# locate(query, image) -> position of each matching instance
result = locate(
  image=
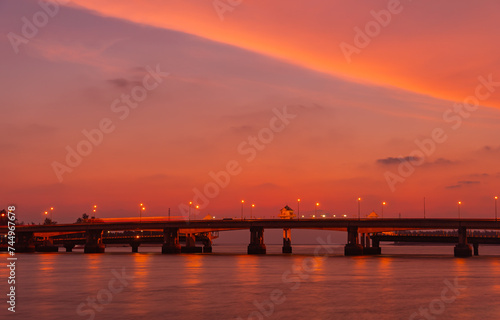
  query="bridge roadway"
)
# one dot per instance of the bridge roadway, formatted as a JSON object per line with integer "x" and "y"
{"x": 356, "y": 245}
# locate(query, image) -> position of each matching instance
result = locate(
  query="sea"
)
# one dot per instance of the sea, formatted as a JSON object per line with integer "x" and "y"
{"x": 315, "y": 282}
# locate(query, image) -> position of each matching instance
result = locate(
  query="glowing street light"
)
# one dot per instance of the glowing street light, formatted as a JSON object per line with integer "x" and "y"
{"x": 242, "y": 202}
{"x": 94, "y": 210}
{"x": 459, "y": 205}
{"x": 298, "y": 208}
{"x": 251, "y": 210}
{"x": 359, "y": 208}
{"x": 189, "y": 213}
{"x": 316, "y": 208}
{"x": 383, "y": 205}
{"x": 496, "y": 198}
{"x": 46, "y": 213}
{"x": 141, "y": 209}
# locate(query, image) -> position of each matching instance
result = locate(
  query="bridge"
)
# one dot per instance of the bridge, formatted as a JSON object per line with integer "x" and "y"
{"x": 361, "y": 233}
{"x": 423, "y": 237}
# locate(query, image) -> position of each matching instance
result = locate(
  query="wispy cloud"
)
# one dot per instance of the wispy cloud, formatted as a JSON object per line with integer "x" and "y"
{"x": 462, "y": 183}
{"x": 398, "y": 160}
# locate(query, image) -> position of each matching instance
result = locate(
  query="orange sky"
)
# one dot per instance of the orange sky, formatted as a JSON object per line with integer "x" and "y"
{"x": 351, "y": 124}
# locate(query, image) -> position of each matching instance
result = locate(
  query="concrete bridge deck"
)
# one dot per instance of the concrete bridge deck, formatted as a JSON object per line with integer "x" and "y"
{"x": 356, "y": 244}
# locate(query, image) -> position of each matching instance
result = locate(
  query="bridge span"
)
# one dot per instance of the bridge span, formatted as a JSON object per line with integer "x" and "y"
{"x": 361, "y": 233}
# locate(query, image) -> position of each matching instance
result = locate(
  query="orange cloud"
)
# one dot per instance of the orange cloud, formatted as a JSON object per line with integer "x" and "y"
{"x": 418, "y": 49}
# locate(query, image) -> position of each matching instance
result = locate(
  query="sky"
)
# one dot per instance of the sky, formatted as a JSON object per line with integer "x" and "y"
{"x": 116, "y": 103}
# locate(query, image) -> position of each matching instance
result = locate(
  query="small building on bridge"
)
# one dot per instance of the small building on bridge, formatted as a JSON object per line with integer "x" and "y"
{"x": 286, "y": 213}
{"x": 373, "y": 215}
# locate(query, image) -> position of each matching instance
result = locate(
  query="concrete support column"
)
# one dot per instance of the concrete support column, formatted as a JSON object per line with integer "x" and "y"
{"x": 476, "y": 248}
{"x": 371, "y": 249}
{"x": 69, "y": 247}
{"x": 207, "y": 243}
{"x": 190, "y": 246}
{"x": 462, "y": 249}
{"x": 135, "y": 245}
{"x": 25, "y": 242}
{"x": 171, "y": 241}
{"x": 363, "y": 236}
{"x": 287, "y": 241}
{"x": 256, "y": 245}
{"x": 353, "y": 248}
{"x": 46, "y": 246}
{"x": 94, "y": 242}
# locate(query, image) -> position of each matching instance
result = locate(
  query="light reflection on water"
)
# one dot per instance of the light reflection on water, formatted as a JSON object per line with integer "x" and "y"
{"x": 227, "y": 286}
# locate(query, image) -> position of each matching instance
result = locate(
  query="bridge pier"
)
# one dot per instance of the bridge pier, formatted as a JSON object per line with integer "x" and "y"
{"x": 135, "y": 245}
{"x": 371, "y": 249}
{"x": 353, "y": 248}
{"x": 207, "y": 243}
{"x": 25, "y": 242}
{"x": 256, "y": 245}
{"x": 462, "y": 249}
{"x": 375, "y": 248}
{"x": 69, "y": 247}
{"x": 94, "y": 242}
{"x": 287, "y": 241}
{"x": 46, "y": 246}
{"x": 171, "y": 241}
{"x": 190, "y": 246}
{"x": 476, "y": 248}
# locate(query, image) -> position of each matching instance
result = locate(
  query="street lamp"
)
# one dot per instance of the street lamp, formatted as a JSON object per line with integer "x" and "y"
{"x": 197, "y": 207}
{"x": 189, "y": 213}
{"x": 496, "y": 198}
{"x": 298, "y": 208}
{"x": 359, "y": 208}
{"x": 459, "y": 205}
{"x": 253, "y": 206}
{"x": 316, "y": 208}
{"x": 242, "y": 202}
{"x": 94, "y": 210}
{"x": 141, "y": 209}
{"x": 51, "y": 212}
{"x": 383, "y": 205}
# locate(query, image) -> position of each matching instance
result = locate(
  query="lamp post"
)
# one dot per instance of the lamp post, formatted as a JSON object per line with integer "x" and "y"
{"x": 197, "y": 207}
{"x": 359, "y": 208}
{"x": 189, "y": 213}
{"x": 94, "y": 210}
{"x": 459, "y": 205}
{"x": 298, "y": 209}
{"x": 141, "y": 209}
{"x": 383, "y": 205}
{"x": 316, "y": 208}
{"x": 251, "y": 210}
{"x": 496, "y": 198}
{"x": 242, "y": 202}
